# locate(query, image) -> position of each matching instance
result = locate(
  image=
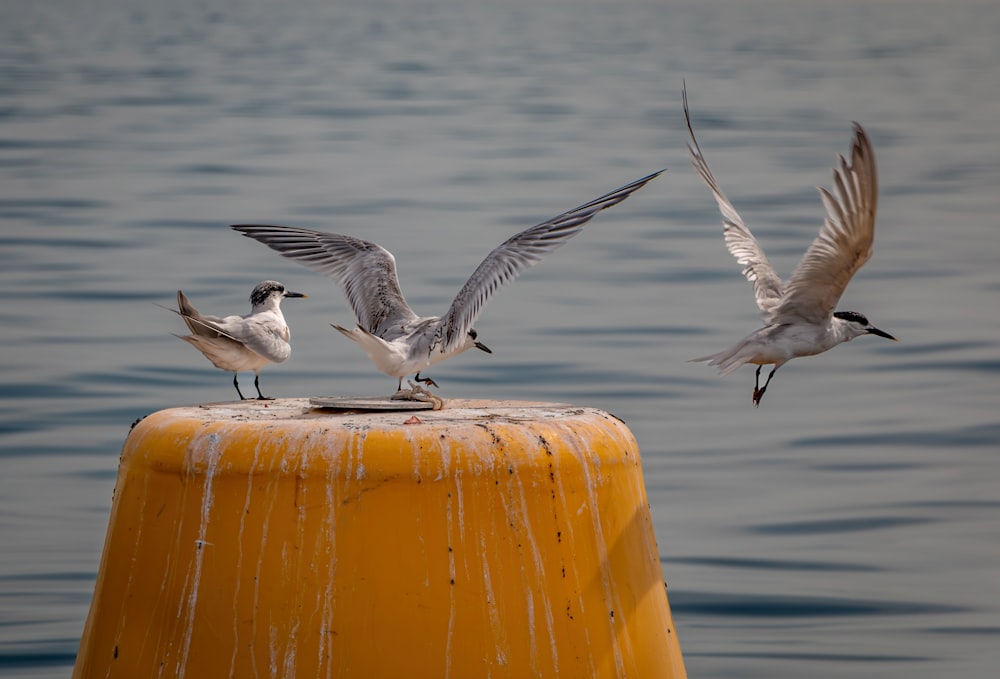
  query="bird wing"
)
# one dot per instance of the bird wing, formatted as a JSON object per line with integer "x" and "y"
{"x": 516, "y": 254}
{"x": 767, "y": 285}
{"x": 200, "y": 325}
{"x": 365, "y": 271}
{"x": 844, "y": 243}
{"x": 262, "y": 333}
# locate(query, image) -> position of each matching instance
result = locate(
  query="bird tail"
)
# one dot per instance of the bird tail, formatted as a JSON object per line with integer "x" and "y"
{"x": 217, "y": 350}
{"x": 367, "y": 340}
{"x": 349, "y": 334}
{"x": 726, "y": 361}
{"x": 380, "y": 352}
{"x": 196, "y": 323}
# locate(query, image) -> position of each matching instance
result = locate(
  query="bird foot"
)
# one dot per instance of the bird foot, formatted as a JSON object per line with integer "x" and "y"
{"x": 426, "y": 380}
{"x": 758, "y": 394}
{"x": 418, "y": 393}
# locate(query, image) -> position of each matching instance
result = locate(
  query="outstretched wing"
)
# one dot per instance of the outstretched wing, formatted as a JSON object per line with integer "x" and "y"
{"x": 519, "y": 252}
{"x": 366, "y": 272}
{"x": 844, "y": 243}
{"x": 767, "y": 285}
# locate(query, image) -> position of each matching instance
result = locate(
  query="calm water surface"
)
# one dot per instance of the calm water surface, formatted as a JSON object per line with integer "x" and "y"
{"x": 850, "y": 527}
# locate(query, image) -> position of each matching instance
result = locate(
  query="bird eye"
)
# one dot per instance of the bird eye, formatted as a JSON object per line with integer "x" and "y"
{"x": 473, "y": 334}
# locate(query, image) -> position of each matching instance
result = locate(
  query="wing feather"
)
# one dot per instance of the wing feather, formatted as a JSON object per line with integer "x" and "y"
{"x": 201, "y": 325}
{"x": 768, "y": 287}
{"x": 366, "y": 272}
{"x": 519, "y": 252}
{"x": 844, "y": 243}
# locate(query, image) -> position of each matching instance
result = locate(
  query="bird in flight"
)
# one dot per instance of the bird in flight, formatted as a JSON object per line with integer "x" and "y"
{"x": 799, "y": 315}
{"x": 242, "y": 343}
{"x": 396, "y": 339}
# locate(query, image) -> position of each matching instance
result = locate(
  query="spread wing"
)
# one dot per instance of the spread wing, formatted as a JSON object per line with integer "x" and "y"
{"x": 844, "y": 243}
{"x": 767, "y": 285}
{"x": 366, "y": 272}
{"x": 519, "y": 252}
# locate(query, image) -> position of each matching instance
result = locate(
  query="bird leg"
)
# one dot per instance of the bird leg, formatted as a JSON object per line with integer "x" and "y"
{"x": 237, "y": 385}
{"x": 425, "y": 380}
{"x": 418, "y": 393}
{"x": 260, "y": 396}
{"x": 758, "y": 392}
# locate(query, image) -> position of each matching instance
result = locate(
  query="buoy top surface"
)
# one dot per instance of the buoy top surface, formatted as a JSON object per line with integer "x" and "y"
{"x": 295, "y": 433}
{"x": 468, "y": 411}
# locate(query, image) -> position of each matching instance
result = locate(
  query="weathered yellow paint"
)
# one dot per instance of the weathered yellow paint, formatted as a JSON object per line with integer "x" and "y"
{"x": 269, "y": 539}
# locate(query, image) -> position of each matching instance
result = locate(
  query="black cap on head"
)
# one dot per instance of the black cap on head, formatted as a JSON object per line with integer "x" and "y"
{"x": 852, "y": 316}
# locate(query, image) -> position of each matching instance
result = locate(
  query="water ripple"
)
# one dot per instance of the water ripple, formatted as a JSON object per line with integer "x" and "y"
{"x": 845, "y": 525}
{"x": 769, "y": 564}
{"x": 811, "y": 659}
{"x": 971, "y": 436}
{"x": 729, "y": 605}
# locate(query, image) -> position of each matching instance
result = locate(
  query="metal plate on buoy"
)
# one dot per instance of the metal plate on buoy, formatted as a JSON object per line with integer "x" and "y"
{"x": 367, "y": 403}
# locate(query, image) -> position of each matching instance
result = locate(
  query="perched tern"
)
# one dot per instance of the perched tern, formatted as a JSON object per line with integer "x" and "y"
{"x": 240, "y": 343}
{"x": 396, "y": 339}
{"x": 799, "y": 315}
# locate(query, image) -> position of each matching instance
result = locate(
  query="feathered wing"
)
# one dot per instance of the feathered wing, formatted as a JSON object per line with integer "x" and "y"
{"x": 199, "y": 324}
{"x": 365, "y": 271}
{"x": 844, "y": 243}
{"x": 262, "y": 334}
{"x": 767, "y": 285}
{"x": 516, "y": 254}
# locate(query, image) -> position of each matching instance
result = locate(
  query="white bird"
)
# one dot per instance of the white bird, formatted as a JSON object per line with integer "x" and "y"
{"x": 242, "y": 343}
{"x": 799, "y": 315}
{"x": 396, "y": 339}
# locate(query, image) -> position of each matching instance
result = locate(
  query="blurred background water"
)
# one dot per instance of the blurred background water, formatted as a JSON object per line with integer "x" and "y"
{"x": 849, "y": 527}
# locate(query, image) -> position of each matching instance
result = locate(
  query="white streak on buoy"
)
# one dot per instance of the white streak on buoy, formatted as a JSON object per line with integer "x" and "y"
{"x": 212, "y": 464}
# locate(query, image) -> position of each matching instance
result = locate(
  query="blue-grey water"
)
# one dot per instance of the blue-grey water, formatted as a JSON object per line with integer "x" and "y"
{"x": 849, "y": 527}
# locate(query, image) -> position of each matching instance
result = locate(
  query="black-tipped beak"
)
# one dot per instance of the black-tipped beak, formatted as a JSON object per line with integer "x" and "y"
{"x": 881, "y": 333}
{"x": 289, "y": 293}
{"x": 483, "y": 347}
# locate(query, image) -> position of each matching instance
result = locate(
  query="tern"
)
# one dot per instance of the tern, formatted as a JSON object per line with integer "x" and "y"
{"x": 799, "y": 315}
{"x": 242, "y": 343}
{"x": 396, "y": 339}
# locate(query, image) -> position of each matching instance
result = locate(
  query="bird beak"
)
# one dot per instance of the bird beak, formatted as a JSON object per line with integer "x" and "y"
{"x": 483, "y": 347}
{"x": 289, "y": 293}
{"x": 880, "y": 333}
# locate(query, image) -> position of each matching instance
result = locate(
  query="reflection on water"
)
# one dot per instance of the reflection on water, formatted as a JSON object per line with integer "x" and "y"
{"x": 848, "y": 526}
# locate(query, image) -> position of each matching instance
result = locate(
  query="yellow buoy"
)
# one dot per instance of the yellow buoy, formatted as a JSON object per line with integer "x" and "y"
{"x": 273, "y": 539}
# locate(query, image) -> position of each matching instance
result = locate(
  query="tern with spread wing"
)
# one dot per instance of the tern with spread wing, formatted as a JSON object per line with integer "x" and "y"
{"x": 242, "y": 343}
{"x": 396, "y": 339}
{"x": 799, "y": 316}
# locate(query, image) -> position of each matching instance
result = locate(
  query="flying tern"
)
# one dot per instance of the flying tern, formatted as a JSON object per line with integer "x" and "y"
{"x": 799, "y": 314}
{"x": 242, "y": 343}
{"x": 396, "y": 339}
